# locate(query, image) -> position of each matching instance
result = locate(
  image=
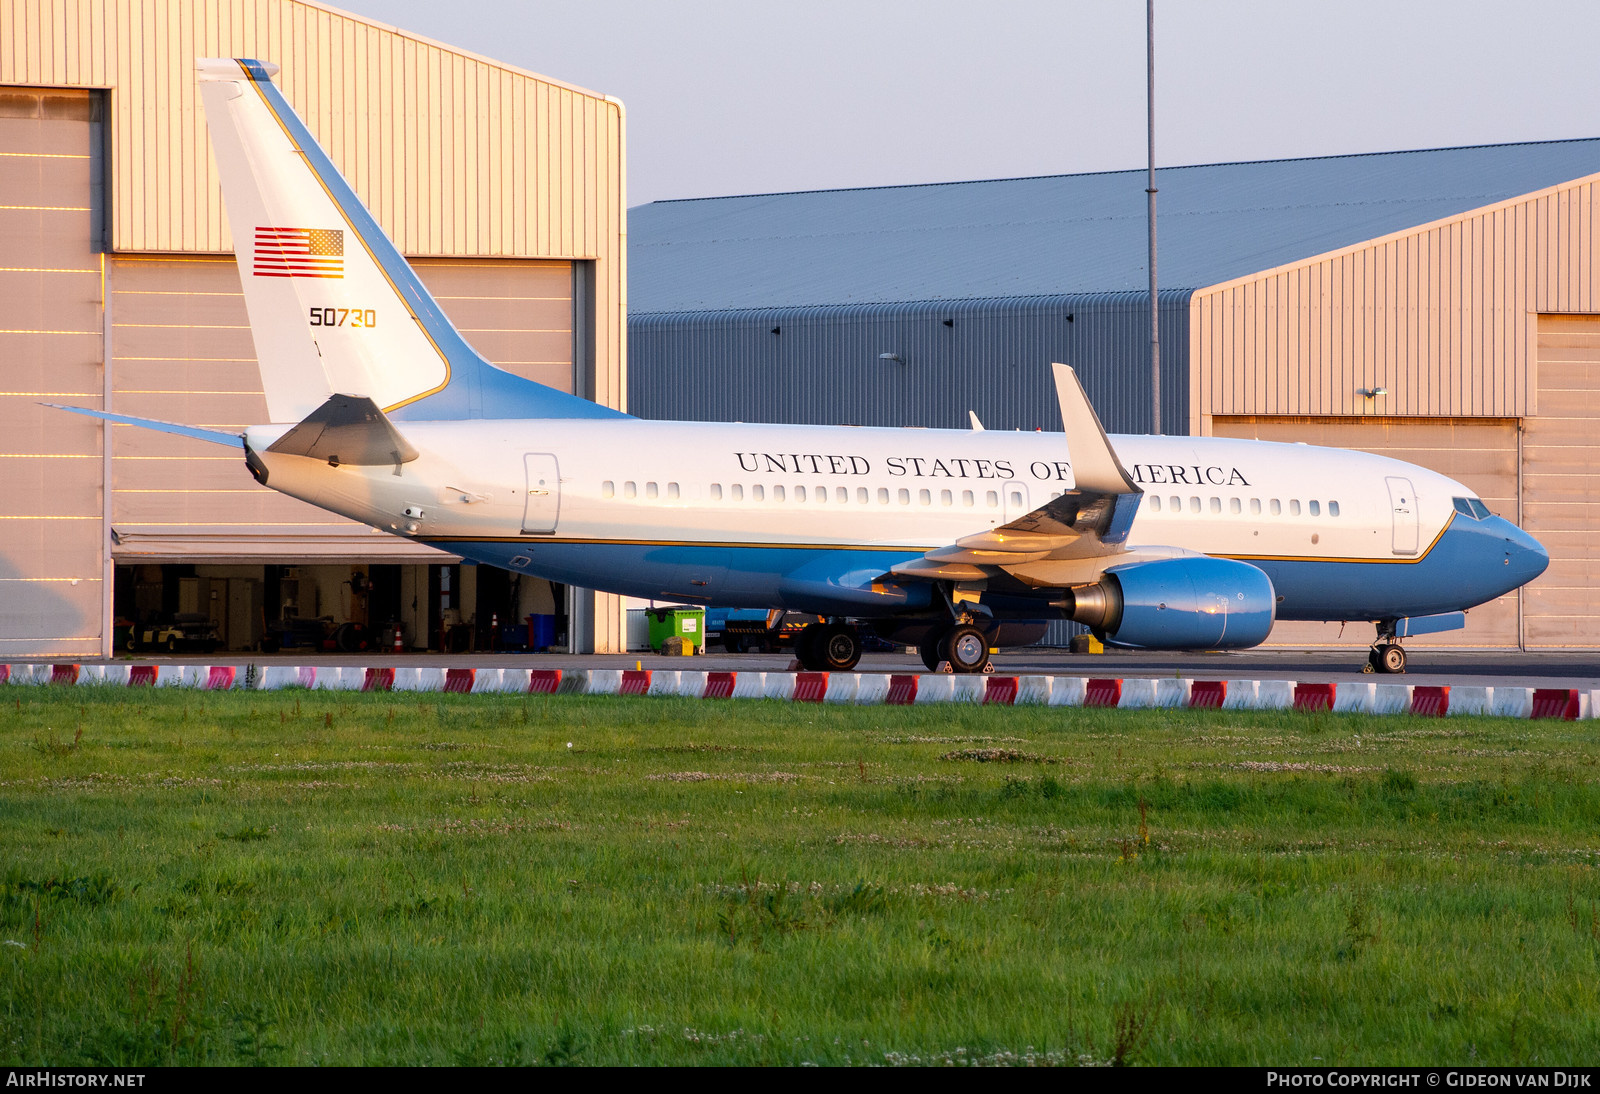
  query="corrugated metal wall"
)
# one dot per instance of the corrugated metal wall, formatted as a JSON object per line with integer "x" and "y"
{"x": 52, "y": 468}
{"x": 456, "y": 155}
{"x": 1561, "y": 483}
{"x": 1441, "y": 316}
{"x": 823, "y": 365}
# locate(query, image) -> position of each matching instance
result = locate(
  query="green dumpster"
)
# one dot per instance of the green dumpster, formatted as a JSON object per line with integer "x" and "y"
{"x": 688, "y": 624}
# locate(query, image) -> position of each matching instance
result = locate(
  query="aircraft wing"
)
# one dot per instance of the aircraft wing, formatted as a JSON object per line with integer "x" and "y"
{"x": 1089, "y": 521}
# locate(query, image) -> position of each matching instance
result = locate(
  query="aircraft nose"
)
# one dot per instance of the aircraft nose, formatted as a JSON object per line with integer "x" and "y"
{"x": 1525, "y": 557}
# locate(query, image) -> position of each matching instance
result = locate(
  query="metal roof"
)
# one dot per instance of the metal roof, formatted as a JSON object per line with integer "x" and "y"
{"x": 1060, "y": 233}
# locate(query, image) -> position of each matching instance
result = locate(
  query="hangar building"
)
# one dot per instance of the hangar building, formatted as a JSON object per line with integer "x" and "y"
{"x": 118, "y": 290}
{"x": 1440, "y": 306}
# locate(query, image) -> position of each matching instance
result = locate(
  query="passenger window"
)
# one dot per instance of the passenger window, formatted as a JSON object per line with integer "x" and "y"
{"x": 1234, "y": 506}
{"x": 966, "y": 498}
{"x": 924, "y": 497}
{"x": 1175, "y": 503}
{"x": 945, "y": 497}
{"x": 1277, "y": 507}
{"x": 1194, "y": 505}
{"x": 651, "y": 490}
{"x": 799, "y": 493}
{"x": 758, "y": 492}
{"x": 861, "y": 495}
{"x": 1333, "y": 508}
{"x": 1255, "y": 506}
{"x": 777, "y": 493}
{"x": 821, "y": 495}
{"x": 992, "y": 499}
{"x": 904, "y": 496}
{"x": 1016, "y": 498}
{"x": 841, "y": 495}
{"x": 672, "y": 491}
{"x": 716, "y": 491}
{"x": 883, "y": 496}
{"x": 1216, "y": 505}
{"x": 629, "y": 490}
{"x": 1315, "y": 507}
{"x": 608, "y": 489}
{"x": 738, "y": 491}
{"x": 1294, "y": 507}
{"x": 1155, "y": 503}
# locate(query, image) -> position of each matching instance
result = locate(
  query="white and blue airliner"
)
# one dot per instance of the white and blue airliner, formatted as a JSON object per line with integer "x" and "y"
{"x": 956, "y": 540}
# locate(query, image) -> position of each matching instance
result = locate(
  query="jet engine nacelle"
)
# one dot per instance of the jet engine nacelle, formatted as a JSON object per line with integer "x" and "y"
{"x": 1178, "y": 604}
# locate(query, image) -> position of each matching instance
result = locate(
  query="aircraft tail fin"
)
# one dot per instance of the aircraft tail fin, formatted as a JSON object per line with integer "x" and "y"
{"x": 334, "y": 307}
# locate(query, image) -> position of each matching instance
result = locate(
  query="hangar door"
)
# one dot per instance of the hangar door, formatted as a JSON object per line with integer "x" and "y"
{"x": 1561, "y": 483}
{"x": 182, "y": 351}
{"x": 52, "y": 535}
{"x": 1480, "y": 452}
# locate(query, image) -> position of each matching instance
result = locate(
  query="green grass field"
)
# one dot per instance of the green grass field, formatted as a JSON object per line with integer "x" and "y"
{"x": 338, "y": 878}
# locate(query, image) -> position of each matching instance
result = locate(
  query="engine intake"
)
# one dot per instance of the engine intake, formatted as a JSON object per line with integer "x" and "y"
{"x": 1178, "y": 604}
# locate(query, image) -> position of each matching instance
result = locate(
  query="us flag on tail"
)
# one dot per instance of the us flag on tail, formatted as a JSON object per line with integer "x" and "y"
{"x": 299, "y": 252}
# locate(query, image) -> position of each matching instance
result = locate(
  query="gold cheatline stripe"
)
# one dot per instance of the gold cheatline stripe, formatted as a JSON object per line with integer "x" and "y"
{"x": 48, "y": 208}
{"x": 43, "y": 269}
{"x": 1398, "y": 559}
{"x": 535, "y": 540}
{"x": 46, "y": 155}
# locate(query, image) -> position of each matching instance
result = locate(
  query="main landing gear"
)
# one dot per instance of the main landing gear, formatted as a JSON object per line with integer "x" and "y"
{"x": 1386, "y": 656}
{"x": 828, "y": 647}
{"x": 964, "y": 646}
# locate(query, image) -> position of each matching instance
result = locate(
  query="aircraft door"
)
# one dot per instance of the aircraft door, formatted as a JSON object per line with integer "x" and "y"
{"x": 1403, "y": 502}
{"x": 543, "y": 498}
{"x": 1015, "y": 495}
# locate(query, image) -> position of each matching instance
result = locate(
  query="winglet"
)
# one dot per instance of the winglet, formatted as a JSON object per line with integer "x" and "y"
{"x": 1095, "y": 466}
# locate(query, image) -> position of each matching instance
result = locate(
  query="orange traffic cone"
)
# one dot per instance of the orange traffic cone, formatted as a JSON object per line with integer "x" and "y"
{"x": 399, "y": 644}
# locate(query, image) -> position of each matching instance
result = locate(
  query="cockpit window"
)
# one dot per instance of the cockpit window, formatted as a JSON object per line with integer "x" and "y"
{"x": 1471, "y": 507}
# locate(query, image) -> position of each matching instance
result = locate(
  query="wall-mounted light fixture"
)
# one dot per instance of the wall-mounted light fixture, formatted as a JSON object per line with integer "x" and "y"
{"x": 1373, "y": 393}
{"x": 891, "y": 357}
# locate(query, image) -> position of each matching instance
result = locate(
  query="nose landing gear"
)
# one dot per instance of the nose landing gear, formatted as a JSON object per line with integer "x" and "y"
{"x": 1386, "y": 656}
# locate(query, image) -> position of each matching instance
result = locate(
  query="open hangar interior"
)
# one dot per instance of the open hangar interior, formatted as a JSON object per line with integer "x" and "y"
{"x": 119, "y": 291}
{"x": 1440, "y": 306}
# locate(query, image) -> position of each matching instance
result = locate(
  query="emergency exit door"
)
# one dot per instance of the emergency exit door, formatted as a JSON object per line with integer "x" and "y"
{"x": 543, "y": 498}
{"x": 1403, "y": 502}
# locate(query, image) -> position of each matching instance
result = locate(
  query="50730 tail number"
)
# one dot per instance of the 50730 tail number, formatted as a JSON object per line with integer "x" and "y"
{"x": 344, "y": 317}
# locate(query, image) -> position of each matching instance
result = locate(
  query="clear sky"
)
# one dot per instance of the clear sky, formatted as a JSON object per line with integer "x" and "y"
{"x": 748, "y": 97}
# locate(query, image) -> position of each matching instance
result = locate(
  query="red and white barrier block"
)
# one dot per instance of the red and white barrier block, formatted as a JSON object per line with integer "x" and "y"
{"x": 901, "y": 689}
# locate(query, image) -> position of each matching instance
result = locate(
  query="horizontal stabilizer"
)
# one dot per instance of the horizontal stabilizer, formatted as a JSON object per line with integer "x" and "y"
{"x": 215, "y": 436}
{"x": 346, "y": 429}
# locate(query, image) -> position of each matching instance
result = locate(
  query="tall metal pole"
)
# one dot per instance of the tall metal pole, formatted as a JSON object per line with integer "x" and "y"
{"x": 1150, "y": 191}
